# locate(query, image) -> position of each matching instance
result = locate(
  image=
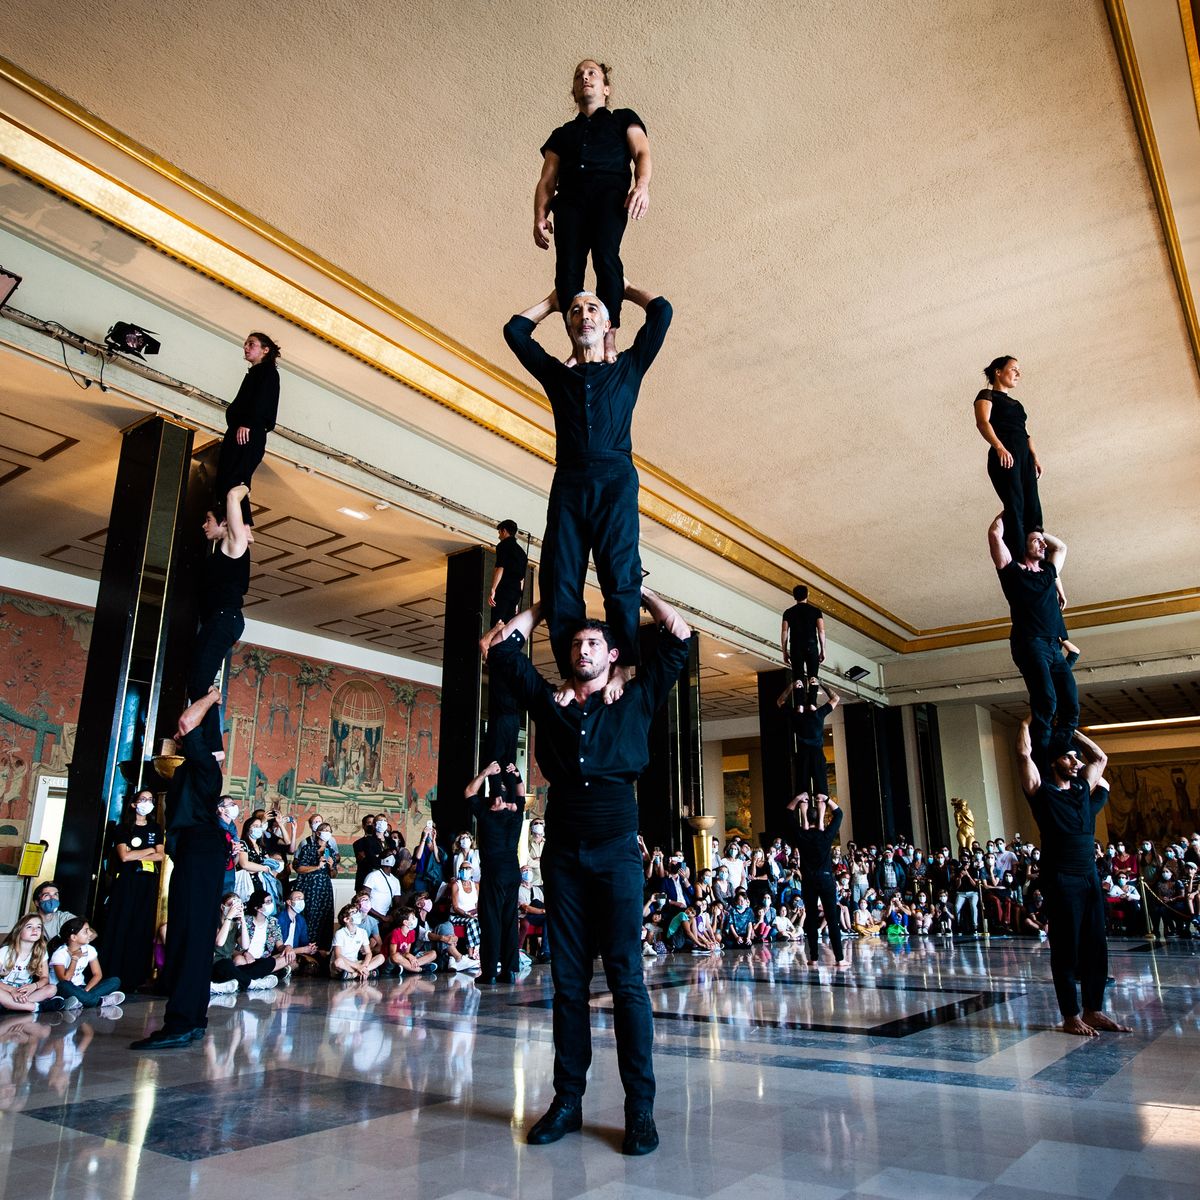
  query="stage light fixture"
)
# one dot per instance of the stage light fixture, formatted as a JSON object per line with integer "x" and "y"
{"x": 127, "y": 338}
{"x": 9, "y": 282}
{"x": 855, "y": 674}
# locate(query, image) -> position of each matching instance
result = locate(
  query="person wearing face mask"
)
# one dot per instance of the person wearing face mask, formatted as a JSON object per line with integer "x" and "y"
{"x": 128, "y": 938}
{"x": 228, "y": 812}
{"x": 967, "y": 896}
{"x": 464, "y": 909}
{"x": 316, "y": 865}
{"x": 351, "y": 958}
{"x": 499, "y": 816}
{"x": 256, "y": 873}
{"x": 465, "y": 855}
{"x": 1149, "y": 863}
{"x": 371, "y": 847}
{"x": 75, "y": 967}
{"x": 49, "y": 906}
{"x": 293, "y": 930}
{"x": 943, "y": 914}
{"x": 722, "y": 888}
{"x": 383, "y": 886}
{"x": 531, "y": 907}
{"x": 245, "y": 957}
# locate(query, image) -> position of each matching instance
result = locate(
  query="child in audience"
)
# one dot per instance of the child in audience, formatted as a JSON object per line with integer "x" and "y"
{"x": 25, "y": 984}
{"x": 78, "y": 973}
{"x": 351, "y": 957}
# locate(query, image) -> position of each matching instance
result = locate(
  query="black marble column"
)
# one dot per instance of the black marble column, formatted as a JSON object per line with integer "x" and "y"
{"x": 145, "y": 621}
{"x": 878, "y": 778}
{"x": 775, "y": 749}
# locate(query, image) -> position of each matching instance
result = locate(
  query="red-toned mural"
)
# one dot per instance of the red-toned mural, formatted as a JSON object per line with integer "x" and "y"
{"x": 302, "y": 734}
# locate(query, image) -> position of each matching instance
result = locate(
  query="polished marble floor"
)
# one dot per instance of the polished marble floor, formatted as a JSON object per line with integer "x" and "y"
{"x": 929, "y": 1072}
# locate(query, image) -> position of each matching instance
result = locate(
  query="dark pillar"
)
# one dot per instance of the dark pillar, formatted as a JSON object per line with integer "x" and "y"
{"x": 465, "y": 686}
{"x": 933, "y": 783}
{"x": 775, "y": 747}
{"x": 672, "y": 787}
{"x": 876, "y": 764}
{"x": 145, "y": 617}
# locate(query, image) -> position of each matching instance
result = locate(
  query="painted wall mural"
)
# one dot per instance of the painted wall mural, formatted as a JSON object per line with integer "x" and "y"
{"x": 301, "y": 734}
{"x": 1153, "y": 800}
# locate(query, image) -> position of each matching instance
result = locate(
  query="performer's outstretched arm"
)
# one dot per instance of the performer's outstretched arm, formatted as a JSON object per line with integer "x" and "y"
{"x": 664, "y": 614}
{"x": 1031, "y": 777}
{"x": 1001, "y": 555}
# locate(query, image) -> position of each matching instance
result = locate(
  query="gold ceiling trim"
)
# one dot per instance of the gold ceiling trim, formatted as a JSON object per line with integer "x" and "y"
{"x": 1118, "y": 21}
{"x": 31, "y": 154}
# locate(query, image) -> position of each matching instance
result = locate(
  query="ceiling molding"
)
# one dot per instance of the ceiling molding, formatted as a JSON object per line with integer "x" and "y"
{"x": 32, "y": 154}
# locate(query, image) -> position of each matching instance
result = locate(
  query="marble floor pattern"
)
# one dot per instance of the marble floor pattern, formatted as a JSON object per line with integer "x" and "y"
{"x": 924, "y": 1072}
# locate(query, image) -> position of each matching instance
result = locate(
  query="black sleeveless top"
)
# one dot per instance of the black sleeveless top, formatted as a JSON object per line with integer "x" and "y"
{"x": 225, "y": 581}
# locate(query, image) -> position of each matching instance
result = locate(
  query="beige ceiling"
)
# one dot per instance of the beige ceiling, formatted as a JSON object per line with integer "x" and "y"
{"x": 854, "y": 207}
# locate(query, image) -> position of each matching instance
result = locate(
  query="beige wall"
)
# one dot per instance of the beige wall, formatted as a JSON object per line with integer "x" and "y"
{"x": 979, "y": 763}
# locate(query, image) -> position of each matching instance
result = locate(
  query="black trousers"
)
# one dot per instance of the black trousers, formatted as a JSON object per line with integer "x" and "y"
{"x": 237, "y": 464}
{"x": 225, "y": 969}
{"x": 594, "y": 901}
{"x": 593, "y": 511}
{"x": 505, "y": 608}
{"x": 216, "y": 636}
{"x": 193, "y": 908}
{"x": 499, "y": 883}
{"x": 1053, "y": 697}
{"x": 812, "y": 774}
{"x": 592, "y": 223}
{"x": 805, "y": 662}
{"x": 1078, "y": 941}
{"x": 1017, "y": 488}
{"x": 821, "y": 887}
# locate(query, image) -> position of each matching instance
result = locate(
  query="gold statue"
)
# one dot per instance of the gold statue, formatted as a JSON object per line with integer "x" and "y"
{"x": 964, "y": 818}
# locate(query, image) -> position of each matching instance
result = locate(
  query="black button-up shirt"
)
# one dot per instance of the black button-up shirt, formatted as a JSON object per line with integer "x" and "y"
{"x": 593, "y": 149}
{"x": 256, "y": 404}
{"x": 592, "y": 402}
{"x": 592, "y": 754}
{"x": 1066, "y": 819}
{"x": 513, "y": 561}
{"x": 497, "y": 833}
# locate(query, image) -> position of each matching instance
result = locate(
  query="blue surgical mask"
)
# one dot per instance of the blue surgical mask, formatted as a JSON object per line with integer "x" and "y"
{"x": 48, "y": 906}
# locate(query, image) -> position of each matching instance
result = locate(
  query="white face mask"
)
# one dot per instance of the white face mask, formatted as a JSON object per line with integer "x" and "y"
{"x": 298, "y": 906}
{"x": 145, "y": 807}
{"x": 464, "y": 843}
{"x": 256, "y": 831}
{"x": 231, "y": 813}
{"x": 356, "y": 918}
{"x": 326, "y": 836}
{"x": 381, "y": 827}
{"x": 268, "y": 910}
{"x": 388, "y": 860}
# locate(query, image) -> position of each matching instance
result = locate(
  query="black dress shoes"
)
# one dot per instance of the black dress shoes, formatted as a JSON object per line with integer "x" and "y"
{"x": 641, "y": 1137}
{"x": 162, "y": 1040}
{"x": 484, "y": 981}
{"x": 565, "y": 1115}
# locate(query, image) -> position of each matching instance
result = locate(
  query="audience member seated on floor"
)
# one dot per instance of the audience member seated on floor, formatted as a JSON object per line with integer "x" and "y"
{"x": 921, "y": 915}
{"x": 464, "y": 908}
{"x": 943, "y": 915}
{"x": 896, "y": 921}
{"x": 77, "y": 971}
{"x": 242, "y": 957}
{"x": 54, "y": 916}
{"x": 865, "y": 924}
{"x": 293, "y": 929}
{"x": 703, "y": 889}
{"x": 402, "y": 946}
{"x": 1033, "y": 915}
{"x": 681, "y": 933}
{"x": 351, "y": 957}
{"x": 25, "y": 983}
{"x": 786, "y": 930}
{"x": 366, "y": 920}
{"x": 739, "y": 922}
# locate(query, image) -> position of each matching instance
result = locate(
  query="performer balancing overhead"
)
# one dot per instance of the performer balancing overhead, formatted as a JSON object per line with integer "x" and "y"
{"x": 808, "y": 741}
{"x": 249, "y": 419}
{"x": 592, "y": 753}
{"x": 1066, "y": 792}
{"x": 499, "y": 816}
{"x": 1012, "y": 462}
{"x": 1032, "y": 585}
{"x": 508, "y": 585}
{"x": 594, "y": 497}
{"x": 802, "y": 639}
{"x": 585, "y": 182}
{"x": 223, "y": 584}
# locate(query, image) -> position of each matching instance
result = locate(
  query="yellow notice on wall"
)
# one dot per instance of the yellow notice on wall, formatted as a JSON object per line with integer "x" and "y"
{"x": 32, "y": 854}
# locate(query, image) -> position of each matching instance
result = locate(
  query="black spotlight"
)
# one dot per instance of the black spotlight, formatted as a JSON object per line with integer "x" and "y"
{"x": 125, "y": 338}
{"x": 855, "y": 674}
{"x": 9, "y": 282}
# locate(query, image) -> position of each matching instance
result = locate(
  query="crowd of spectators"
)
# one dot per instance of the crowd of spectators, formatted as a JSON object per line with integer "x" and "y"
{"x": 414, "y": 911}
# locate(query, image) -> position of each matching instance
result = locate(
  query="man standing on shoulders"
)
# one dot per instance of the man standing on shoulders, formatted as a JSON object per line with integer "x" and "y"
{"x": 802, "y": 639}
{"x": 1066, "y": 792}
{"x": 592, "y": 751}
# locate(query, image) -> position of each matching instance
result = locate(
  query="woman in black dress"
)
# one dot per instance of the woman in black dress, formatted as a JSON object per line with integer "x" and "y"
{"x": 1012, "y": 465}
{"x": 133, "y": 901}
{"x": 249, "y": 419}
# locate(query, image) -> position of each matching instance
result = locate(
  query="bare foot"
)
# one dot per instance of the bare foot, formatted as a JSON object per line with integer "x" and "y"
{"x": 610, "y": 346}
{"x": 617, "y": 679}
{"x": 564, "y": 693}
{"x": 1078, "y": 1026}
{"x": 812, "y": 962}
{"x": 1099, "y": 1022}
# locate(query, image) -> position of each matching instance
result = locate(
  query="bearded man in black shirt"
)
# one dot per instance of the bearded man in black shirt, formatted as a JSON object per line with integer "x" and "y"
{"x": 592, "y": 751}
{"x": 1033, "y": 588}
{"x": 1066, "y": 792}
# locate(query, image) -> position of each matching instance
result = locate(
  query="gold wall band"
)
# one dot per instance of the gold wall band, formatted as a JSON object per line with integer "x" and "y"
{"x": 1118, "y": 21}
